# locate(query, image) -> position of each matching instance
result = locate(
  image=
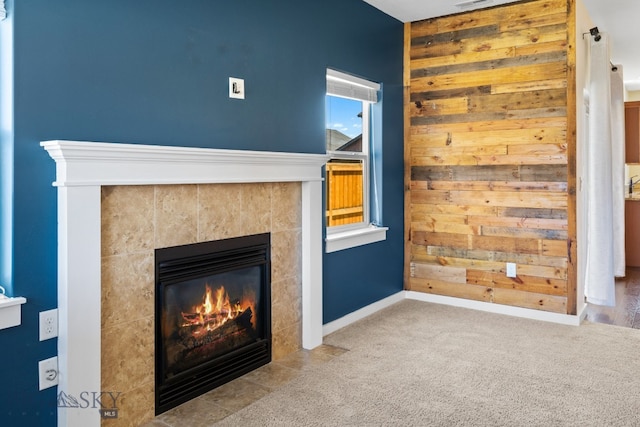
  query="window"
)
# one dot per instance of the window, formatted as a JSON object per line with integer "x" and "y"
{"x": 348, "y": 176}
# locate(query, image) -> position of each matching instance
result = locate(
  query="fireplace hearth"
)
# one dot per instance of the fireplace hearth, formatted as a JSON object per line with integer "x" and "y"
{"x": 213, "y": 318}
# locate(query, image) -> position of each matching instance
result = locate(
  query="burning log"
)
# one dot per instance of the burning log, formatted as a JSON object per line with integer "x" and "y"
{"x": 192, "y": 339}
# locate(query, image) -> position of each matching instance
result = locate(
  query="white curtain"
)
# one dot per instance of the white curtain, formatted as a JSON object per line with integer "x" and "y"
{"x": 618, "y": 158}
{"x": 604, "y": 181}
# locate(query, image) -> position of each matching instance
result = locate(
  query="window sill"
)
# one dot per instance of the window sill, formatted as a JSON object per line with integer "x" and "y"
{"x": 353, "y": 238}
{"x": 10, "y": 311}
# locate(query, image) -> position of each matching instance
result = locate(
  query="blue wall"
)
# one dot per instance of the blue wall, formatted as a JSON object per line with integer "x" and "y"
{"x": 156, "y": 72}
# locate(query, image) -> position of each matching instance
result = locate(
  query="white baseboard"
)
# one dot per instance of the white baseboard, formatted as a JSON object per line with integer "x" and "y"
{"x": 527, "y": 313}
{"x": 362, "y": 313}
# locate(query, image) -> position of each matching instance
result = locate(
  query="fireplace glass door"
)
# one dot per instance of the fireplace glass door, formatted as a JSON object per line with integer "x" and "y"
{"x": 212, "y": 315}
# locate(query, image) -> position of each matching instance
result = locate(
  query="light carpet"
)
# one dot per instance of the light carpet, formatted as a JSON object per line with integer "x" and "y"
{"x": 422, "y": 364}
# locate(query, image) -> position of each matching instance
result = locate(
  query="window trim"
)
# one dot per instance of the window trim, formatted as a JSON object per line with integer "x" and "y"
{"x": 347, "y": 236}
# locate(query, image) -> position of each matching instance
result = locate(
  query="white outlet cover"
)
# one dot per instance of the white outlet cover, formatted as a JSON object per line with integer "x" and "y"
{"x": 511, "y": 269}
{"x": 48, "y": 324}
{"x": 48, "y": 373}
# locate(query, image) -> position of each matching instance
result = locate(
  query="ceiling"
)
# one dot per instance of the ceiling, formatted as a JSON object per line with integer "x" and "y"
{"x": 618, "y": 18}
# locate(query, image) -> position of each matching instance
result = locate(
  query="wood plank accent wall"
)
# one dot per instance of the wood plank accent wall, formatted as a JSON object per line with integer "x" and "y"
{"x": 490, "y": 155}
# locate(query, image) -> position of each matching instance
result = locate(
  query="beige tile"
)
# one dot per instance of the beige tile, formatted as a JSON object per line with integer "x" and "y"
{"x": 199, "y": 412}
{"x": 256, "y": 208}
{"x": 135, "y": 407}
{"x": 219, "y": 211}
{"x": 128, "y": 355}
{"x": 304, "y": 359}
{"x": 127, "y": 287}
{"x": 155, "y": 423}
{"x": 236, "y": 394}
{"x": 285, "y": 315}
{"x": 286, "y": 206}
{"x": 176, "y": 215}
{"x": 285, "y": 254}
{"x": 127, "y": 219}
{"x": 286, "y": 291}
{"x": 271, "y": 376}
{"x": 286, "y": 341}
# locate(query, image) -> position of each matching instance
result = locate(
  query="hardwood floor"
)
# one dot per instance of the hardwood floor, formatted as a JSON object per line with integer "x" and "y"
{"x": 627, "y": 310}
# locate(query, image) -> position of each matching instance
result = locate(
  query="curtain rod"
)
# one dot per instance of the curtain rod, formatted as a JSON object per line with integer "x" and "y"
{"x": 597, "y": 37}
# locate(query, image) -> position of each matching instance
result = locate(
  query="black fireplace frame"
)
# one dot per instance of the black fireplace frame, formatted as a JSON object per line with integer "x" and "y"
{"x": 179, "y": 263}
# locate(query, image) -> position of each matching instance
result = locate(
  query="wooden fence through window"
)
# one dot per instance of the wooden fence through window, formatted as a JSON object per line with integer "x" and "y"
{"x": 344, "y": 192}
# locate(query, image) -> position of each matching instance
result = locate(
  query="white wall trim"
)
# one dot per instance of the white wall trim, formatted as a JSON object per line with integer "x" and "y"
{"x": 362, "y": 313}
{"x": 83, "y": 167}
{"x": 526, "y": 313}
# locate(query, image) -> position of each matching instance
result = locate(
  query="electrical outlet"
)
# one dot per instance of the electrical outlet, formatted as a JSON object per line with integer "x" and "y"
{"x": 511, "y": 269}
{"x": 48, "y": 324}
{"x": 48, "y": 373}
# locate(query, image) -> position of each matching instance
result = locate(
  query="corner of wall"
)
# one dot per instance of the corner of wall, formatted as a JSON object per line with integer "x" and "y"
{"x": 6, "y": 151}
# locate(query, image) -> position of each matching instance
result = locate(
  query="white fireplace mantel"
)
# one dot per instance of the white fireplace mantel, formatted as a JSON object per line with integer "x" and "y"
{"x": 83, "y": 167}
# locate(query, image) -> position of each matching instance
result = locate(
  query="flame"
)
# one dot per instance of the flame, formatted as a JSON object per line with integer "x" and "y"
{"x": 216, "y": 309}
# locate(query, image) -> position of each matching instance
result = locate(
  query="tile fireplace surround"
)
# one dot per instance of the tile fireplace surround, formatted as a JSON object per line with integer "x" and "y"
{"x": 84, "y": 168}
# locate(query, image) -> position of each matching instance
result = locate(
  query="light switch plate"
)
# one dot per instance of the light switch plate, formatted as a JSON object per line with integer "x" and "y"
{"x": 236, "y": 88}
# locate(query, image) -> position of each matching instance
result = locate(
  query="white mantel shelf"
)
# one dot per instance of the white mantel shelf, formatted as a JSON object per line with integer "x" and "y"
{"x": 82, "y": 168}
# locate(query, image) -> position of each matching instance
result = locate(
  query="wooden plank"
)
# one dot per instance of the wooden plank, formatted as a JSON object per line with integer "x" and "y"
{"x": 572, "y": 288}
{"x": 409, "y": 31}
{"x": 490, "y": 159}
{"x": 533, "y": 213}
{"x": 485, "y": 173}
{"x": 519, "y": 10}
{"x": 517, "y": 74}
{"x": 441, "y": 106}
{"x": 537, "y": 271}
{"x": 518, "y": 298}
{"x": 529, "y": 86}
{"x": 439, "y": 239}
{"x": 510, "y": 137}
{"x": 550, "y": 112}
{"x": 554, "y": 247}
{"x": 518, "y": 100}
{"x": 430, "y": 197}
{"x": 543, "y": 173}
{"x": 517, "y": 223}
{"x": 461, "y": 58}
{"x": 439, "y": 272}
{"x": 492, "y": 255}
{"x": 545, "y": 286}
{"x": 418, "y": 152}
{"x": 560, "y": 187}
{"x": 445, "y": 227}
{"x": 457, "y": 48}
{"x": 505, "y": 244}
{"x": 524, "y": 233}
{"x": 455, "y": 36}
{"x": 488, "y": 64}
{"x": 438, "y": 287}
{"x": 508, "y": 198}
{"x": 559, "y": 18}
{"x": 434, "y": 208}
{"x": 549, "y": 123}
{"x": 537, "y": 149}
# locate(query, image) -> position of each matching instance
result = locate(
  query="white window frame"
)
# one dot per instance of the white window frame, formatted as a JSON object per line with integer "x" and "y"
{"x": 347, "y": 236}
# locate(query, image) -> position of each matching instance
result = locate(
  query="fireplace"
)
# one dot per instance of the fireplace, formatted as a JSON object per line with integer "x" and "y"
{"x": 213, "y": 315}
{"x": 82, "y": 170}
